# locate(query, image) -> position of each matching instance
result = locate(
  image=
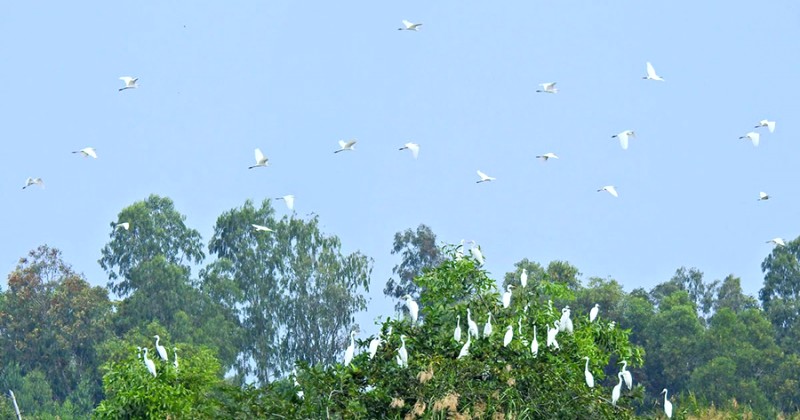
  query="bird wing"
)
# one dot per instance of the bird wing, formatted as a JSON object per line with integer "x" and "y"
{"x": 414, "y": 149}
{"x": 90, "y": 152}
{"x": 651, "y": 72}
{"x": 350, "y": 144}
{"x": 611, "y": 190}
{"x": 754, "y": 137}
{"x": 289, "y": 199}
{"x": 260, "y": 156}
{"x": 482, "y": 175}
{"x": 623, "y": 140}
{"x": 407, "y": 24}
{"x": 771, "y": 126}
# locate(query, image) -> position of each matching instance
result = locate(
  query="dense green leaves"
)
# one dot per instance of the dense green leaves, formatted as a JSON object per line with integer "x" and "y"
{"x": 419, "y": 251}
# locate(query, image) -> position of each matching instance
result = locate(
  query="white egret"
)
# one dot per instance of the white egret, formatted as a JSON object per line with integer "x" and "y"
{"x": 519, "y": 327}
{"x": 753, "y": 137}
{"x": 507, "y": 296}
{"x": 777, "y": 241}
{"x": 609, "y": 189}
{"x": 767, "y": 123}
{"x": 475, "y": 250}
{"x": 616, "y": 391}
{"x": 414, "y": 147}
{"x": 351, "y": 349}
{"x": 124, "y": 225}
{"x": 549, "y": 87}
{"x": 162, "y": 352}
{"x": 175, "y": 354}
{"x": 484, "y": 177}
{"x": 545, "y": 157}
{"x": 534, "y": 343}
{"x": 413, "y": 308}
{"x": 487, "y": 329}
{"x": 289, "y": 200}
{"x": 149, "y": 363}
{"x": 460, "y": 251}
{"x": 565, "y": 323}
{"x": 457, "y": 331}
{"x": 130, "y": 82}
{"x": 472, "y": 326}
{"x": 509, "y": 335}
{"x": 667, "y": 404}
{"x": 587, "y": 374}
{"x": 409, "y": 26}
{"x": 402, "y": 353}
{"x": 300, "y": 393}
{"x": 624, "y": 137}
{"x": 763, "y": 196}
{"x": 593, "y": 312}
{"x": 626, "y": 374}
{"x": 651, "y": 73}
{"x": 523, "y": 278}
{"x": 373, "y": 346}
{"x": 346, "y": 145}
{"x": 260, "y": 228}
{"x": 87, "y": 152}
{"x": 261, "y": 160}
{"x": 33, "y": 181}
{"x": 465, "y": 348}
{"x": 551, "y": 336}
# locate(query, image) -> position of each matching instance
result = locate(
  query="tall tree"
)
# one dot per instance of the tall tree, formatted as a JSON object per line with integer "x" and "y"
{"x": 731, "y": 296}
{"x": 419, "y": 252}
{"x": 780, "y": 295}
{"x": 297, "y": 293}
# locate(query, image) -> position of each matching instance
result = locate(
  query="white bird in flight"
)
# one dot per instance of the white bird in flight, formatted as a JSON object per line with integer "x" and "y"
{"x": 624, "y": 137}
{"x": 545, "y": 157}
{"x": 767, "y": 123}
{"x": 409, "y": 26}
{"x": 87, "y": 152}
{"x": 753, "y": 137}
{"x": 289, "y": 200}
{"x": 130, "y": 82}
{"x": 763, "y": 196}
{"x": 261, "y": 160}
{"x": 651, "y": 73}
{"x": 414, "y": 147}
{"x": 610, "y": 189}
{"x": 549, "y": 87}
{"x": 260, "y": 228}
{"x": 351, "y": 349}
{"x": 124, "y": 225}
{"x": 484, "y": 177}
{"x": 777, "y": 241}
{"x": 345, "y": 145}
{"x": 33, "y": 181}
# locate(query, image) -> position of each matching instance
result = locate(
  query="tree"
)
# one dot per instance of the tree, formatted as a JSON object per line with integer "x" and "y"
{"x": 419, "y": 252}
{"x": 295, "y": 291}
{"x": 156, "y": 229}
{"x": 780, "y": 295}
{"x": 731, "y": 296}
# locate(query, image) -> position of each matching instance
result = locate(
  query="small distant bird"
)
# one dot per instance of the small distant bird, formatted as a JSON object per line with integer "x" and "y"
{"x": 767, "y": 123}
{"x": 523, "y": 278}
{"x": 33, "y": 181}
{"x": 609, "y": 189}
{"x": 130, "y": 82}
{"x": 261, "y": 160}
{"x": 547, "y": 156}
{"x": 753, "y": 137}
{"x": 260, "y": 228}
{"x": 409, "y": 26}
{"x": 549, "y": 87}
{"x": 484, "y": 177}
{"x": 343, "y": 145}
{"x": 777, "y": 241}
{"x": 763, "y": 196}
{"x": 593, "y": 312}
{"x": 289, "y": 199}
{"x": 87, "y": 152}
{"x": 623, "y": 138}
{"x": 124, "y": 225}
{"x": 414, "y": 147}
{"x": 651, "y": 73}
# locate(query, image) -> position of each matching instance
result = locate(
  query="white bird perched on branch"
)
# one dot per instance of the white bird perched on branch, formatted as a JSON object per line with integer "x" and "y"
{"x": 261, "y": 160}
{"x": 651, "y": 73}
{"x": 475, "y": 250}
{"x": 413, "y": 308}
{"x": 587, "y": 374}
{"x": 351, "y": 349}
{"x": 373, "y": 346}
{"x": 472, "y": 326}
{"x": 162, "y": 352}
{"x": 487, "y": 329}
{"x": 130, "y": 82}
{"x": 346, "y": 145}
{"x": 409, "y": 26}
{"x": 402, "y": 353}
{"x": 565, "y": 323}
{"x": 534, "y": 343}
{"x": 87, "y": 152}
{"x": 593, "y": 312}
{"x": 667, "y": 404}
{"x": 523, "y": 278}
{"x": 457, "y": 331}
{"x": 509, "y": 335}
{"x": 465, "y": 349}
{"x": 624, "y": 137}
{"x": 551, "y": 336}
{"x": 507, "y": 296}
{"x": 616, "y": 391}
{"x": 626, "y": 375}
{"x": 414, "y": 147}
{"x": 149, "y": 363}
{"x": 549, "y": 87}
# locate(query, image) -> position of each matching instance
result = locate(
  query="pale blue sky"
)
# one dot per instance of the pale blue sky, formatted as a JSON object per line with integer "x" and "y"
{"x": 218, "y": 79}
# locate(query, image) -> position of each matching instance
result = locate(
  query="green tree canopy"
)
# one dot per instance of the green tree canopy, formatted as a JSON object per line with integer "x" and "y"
{"x": 419, "y": 251}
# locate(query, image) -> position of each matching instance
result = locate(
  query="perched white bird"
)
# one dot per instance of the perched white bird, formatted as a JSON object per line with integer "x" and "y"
{"x": 475, "y": 250}
{"x": 651, "y": 73}
{"x": 351, "y": 349}
{"x": 753, "y": 137}
{"x": 149, "y": 363}
{"x": 472, "y": 326}
{"x": 509, "y": 335}
{"x": 260, "y": 228}
{"x": 609, "y": 189}
{"x": 763, "y": 196}
{"x": 534, "y": 343}
{"x": 565, "y": 323}
{"x": 545, "y": 157}
{"x": 124, "y": 225}
{"x": 507, "y": 296}
{"x": 626, "y": 375}
{"x": 484, "y": 177}
{"x": 551, "y": 336}
{"x": 130, "y": 82}
{"x": 300, "y": 393}
{"x": 414, "y": 147}
{"x": 346, "y": 145}
{"x": 465, "y": 349}
{"x": 33, "y": 181}
{"x": 457, "y": 331}
{"x": 588, "y": 375}
{"x": 667, "y": 404}
{"x": 289, "y": 200}
{"x": 409, "y": 26}
{"x": 767, "y": 123}
{"x": 87, "y": 152}
{"x": 523, "y": 278}
{"x": 413, "y": 308}
{"x": 549, "y": 87}
{"x": 175, "y": 354}
{"x": 460, "y": 251}
{"x": 624, "y": 137}
{"x": 373, "y": 346}
{"x": 487, "y": 329}
{"x": 402, "y": 358}
{"x": 593, "y": 312}
{"x": 261, "y": 160}
{"x": 616, "y": 391}
{"x": 162, "y": 352}
{"x": 777, "y": 241}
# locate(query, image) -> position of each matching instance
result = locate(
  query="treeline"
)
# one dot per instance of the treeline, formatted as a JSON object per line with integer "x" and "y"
{"x": 263, "y": 301}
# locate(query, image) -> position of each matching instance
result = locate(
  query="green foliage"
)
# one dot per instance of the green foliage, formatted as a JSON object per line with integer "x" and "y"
{"x": 780, "y": 296}
{"x": 419, "y": 252}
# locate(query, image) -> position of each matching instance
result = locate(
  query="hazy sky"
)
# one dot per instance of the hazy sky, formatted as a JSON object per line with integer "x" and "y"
{"x": 218, "y": 79}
